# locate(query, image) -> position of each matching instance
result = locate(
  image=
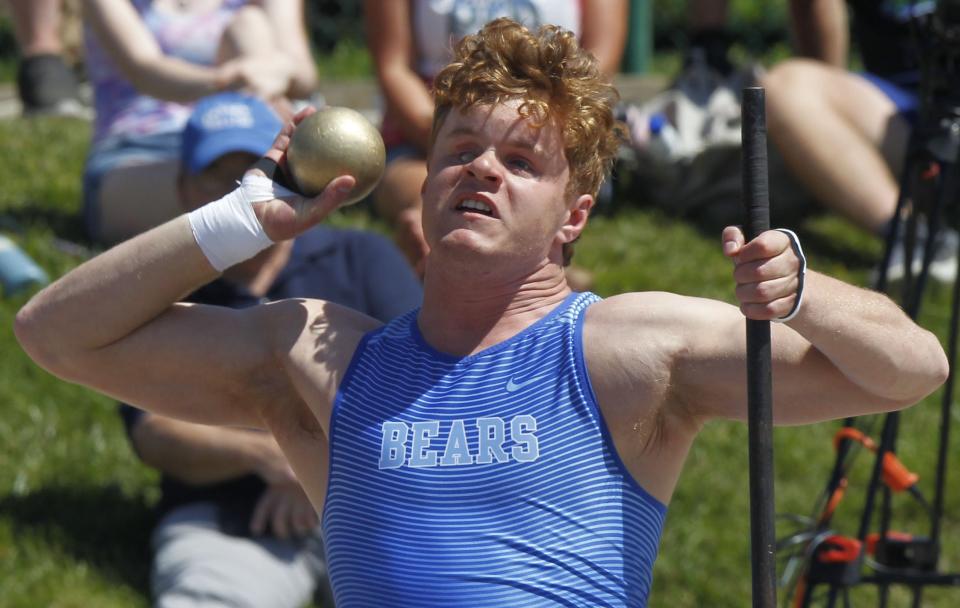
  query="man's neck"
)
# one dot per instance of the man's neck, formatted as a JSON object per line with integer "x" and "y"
{"x": 462, "y": 315}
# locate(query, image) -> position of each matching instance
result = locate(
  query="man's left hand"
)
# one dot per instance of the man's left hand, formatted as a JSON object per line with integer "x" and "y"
{"x": 766, "y": 271}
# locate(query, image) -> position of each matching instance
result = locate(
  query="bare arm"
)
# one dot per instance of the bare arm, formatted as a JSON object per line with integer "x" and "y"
{"x": 605, "y": 32}
{"x": 820, "y": 30}
{"x": 138, "y": 56}
{"x": 662, "y": 364}
{"x": 390, "y": 36}
{"x": 200, "y": 454}
{"x": 287, "y": 19}
{"x": 849, "y": 352}
{"x": 112, "y": 323}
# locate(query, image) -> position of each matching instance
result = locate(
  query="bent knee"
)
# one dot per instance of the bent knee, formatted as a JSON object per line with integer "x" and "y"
{"x": 248, "y": 31}
{"x": 795, "y": 76}
{"x": 246, "y": 17}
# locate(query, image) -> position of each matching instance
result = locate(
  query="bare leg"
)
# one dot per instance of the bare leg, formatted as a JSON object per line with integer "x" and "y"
{"x": 250, "y": 34}
{"x": 709, "y": 40}
{"x": 706, "y": 15}
{"x": 397, "y": 199}
{"x": 840, "y": 136}
{"x": 36, "y": 24}
{"x": 136, "y": 198}
{"x": 44, "y": 81}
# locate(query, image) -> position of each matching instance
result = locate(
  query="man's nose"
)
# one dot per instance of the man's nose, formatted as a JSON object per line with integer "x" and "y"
{"x": 485, "y": 167}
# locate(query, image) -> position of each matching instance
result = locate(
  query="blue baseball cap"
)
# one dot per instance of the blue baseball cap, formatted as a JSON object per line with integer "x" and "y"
{"x": 225, "y": 123}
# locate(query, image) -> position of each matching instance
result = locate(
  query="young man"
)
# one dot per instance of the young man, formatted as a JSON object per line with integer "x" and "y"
{"x": 511, "y": 443}
{"x": 235, "y": 527}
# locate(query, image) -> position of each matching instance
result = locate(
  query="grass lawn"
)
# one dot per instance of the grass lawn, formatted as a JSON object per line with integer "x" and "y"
{"x": 75, "y": 505}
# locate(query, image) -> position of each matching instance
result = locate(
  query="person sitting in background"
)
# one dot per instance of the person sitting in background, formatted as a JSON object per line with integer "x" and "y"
{"x": 685, "y": 141}
{"x": 411, "y": 41}
{"x": 844, "y": 135}
{"x": 510, "y": 442}
{"x": 45, "y": 84}
{"x": 148, "y": 60}
{"x": 235, "y": 526}
{"x": 820, "y": 32}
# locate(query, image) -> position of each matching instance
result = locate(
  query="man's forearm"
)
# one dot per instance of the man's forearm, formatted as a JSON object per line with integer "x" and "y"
{"x": 870, "y": 340}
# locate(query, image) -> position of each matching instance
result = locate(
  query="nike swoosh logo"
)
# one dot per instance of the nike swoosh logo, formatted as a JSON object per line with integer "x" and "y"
{"x": 512, "y": 386}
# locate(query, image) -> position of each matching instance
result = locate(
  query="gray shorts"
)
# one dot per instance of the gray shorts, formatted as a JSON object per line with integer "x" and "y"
{"x": 198, "y": 566}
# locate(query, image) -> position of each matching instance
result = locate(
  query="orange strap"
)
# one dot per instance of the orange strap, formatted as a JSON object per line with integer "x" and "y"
{"x": 841, "y": 549}
{"x": 895, "y": 475}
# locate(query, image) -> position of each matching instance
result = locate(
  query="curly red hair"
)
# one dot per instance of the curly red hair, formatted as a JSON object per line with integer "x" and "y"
{"x": 556, "y": 79}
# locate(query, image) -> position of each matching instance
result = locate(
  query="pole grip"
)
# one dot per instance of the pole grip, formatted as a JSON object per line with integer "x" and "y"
{"x": 756, "y": 198}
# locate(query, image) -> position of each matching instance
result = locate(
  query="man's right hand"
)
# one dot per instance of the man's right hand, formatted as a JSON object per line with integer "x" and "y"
{"x": 288, "y": 217}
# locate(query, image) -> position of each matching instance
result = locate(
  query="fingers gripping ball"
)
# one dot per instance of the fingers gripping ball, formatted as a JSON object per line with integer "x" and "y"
{"x": 331, "y": 142}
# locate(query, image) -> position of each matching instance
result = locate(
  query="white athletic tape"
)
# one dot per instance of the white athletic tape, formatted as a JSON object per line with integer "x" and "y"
{"x": 801, "y": 274}
{"x": 228, "y": 231}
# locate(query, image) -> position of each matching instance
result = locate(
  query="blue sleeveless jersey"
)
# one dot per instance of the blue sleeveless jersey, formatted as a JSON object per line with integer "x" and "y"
{"x": 486, "y": 480}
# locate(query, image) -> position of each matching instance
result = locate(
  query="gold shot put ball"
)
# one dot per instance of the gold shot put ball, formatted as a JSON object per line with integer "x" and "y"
{"x": 331, "y": 142}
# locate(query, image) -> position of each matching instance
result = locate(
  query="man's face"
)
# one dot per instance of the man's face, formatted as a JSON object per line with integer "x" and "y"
{"x": 497, "y": 186}
{"x": 217, "y": 180}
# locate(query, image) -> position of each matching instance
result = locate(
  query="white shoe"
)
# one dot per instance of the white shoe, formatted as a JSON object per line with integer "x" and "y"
{"x": 943, "y": 266}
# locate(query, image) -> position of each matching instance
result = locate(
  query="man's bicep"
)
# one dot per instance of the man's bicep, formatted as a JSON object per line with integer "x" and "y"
{"x": 197, "y": 363}
{"x": 711, "y": 374}
{"x": 709, "y": 368}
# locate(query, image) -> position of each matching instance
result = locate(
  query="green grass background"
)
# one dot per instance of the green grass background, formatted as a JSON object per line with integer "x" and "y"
{"x": 75, "y": 504}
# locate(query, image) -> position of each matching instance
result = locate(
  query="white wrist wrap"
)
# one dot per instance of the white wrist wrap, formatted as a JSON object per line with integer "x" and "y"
{"x": 228, "y": 231}
{"x": 801, "y": 274}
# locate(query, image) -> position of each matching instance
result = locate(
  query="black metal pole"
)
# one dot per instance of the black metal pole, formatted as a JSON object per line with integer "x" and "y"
{"x": 948, "y": 196}
{"x": 759, "y": 379}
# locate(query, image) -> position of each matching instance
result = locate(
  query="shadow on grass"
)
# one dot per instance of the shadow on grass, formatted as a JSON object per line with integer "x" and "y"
{"x": 97, "y": 525}
{"x": 716, "y": 201}
{"x": 64, "y": 224}
{"x": 843, "y": 244}
{"x": 843, "y": 250}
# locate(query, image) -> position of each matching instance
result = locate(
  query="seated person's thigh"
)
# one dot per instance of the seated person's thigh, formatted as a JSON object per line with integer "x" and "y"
{"x": 130, "y": 186}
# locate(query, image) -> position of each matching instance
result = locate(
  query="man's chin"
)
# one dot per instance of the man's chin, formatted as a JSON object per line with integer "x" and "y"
{"x": 468, "y": 245}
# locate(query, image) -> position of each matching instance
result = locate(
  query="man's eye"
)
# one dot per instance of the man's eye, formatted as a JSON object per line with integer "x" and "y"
{"x": 466, "y": 156}
{"x": 521, "y": 164}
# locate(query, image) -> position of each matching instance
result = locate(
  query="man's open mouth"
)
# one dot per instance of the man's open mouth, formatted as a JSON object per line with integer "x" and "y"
{"x": 474, "y": 205}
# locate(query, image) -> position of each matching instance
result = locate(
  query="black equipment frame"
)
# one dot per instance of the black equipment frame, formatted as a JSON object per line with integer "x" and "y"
{"x": 929, "y": 195}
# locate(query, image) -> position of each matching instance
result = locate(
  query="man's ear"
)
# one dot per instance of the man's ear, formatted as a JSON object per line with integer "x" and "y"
{"x": 576, "y": 219}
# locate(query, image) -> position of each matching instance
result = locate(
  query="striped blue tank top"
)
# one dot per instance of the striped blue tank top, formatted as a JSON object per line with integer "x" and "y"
{"x": 486, "y": 480}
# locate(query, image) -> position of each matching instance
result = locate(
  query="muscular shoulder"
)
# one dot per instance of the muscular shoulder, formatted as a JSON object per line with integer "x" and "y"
{"x": 635, "y": 327}
{"x": 654, "y": 313}
{"x": 314, "y": 342}
{"x": 657, "y": 314}
{"x": 325, "y": 329}
{"x": 634, "y": 344}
